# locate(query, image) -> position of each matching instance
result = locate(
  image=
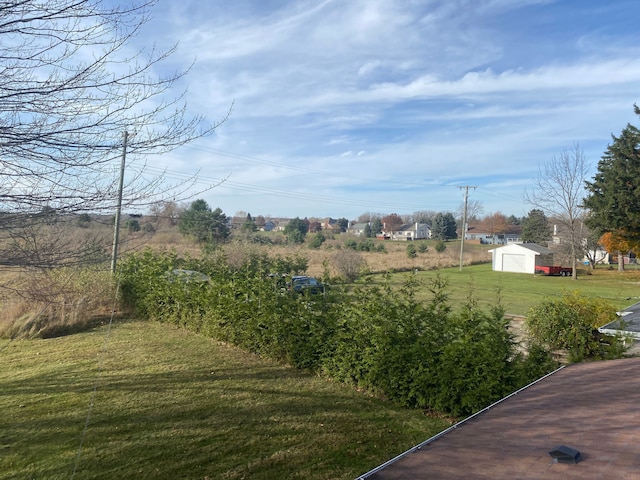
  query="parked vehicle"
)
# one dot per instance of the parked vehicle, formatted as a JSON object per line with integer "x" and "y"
{"x": 551, "y": 270}
{"x": 304, "y": 284}
{"x": 180, "y": 275}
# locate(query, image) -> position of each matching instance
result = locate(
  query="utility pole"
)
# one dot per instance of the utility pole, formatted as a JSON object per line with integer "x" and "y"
{"x": 116, "y": 226}
{"x": 463, "y": 229}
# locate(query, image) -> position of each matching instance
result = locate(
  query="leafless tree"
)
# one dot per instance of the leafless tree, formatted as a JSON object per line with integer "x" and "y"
{"x": 474, "y": 210}
{"x": 392, "y": 222}
{"x": 369, "y": 217}
{"x": 349, "y": 263}
{"x": 559, "y": 191}
{"x": 423, "y": 216}
{"x": 71, "y": 86}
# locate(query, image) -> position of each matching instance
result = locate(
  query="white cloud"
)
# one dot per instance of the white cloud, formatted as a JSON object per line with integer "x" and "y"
{"x": 366, "y": 100}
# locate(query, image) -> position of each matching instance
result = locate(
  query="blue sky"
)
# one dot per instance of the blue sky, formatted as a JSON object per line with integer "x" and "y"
{"x": 342, "y": 107}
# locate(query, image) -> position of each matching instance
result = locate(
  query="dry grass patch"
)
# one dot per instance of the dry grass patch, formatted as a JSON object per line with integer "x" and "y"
{"x": 393, "y": 259}
{"x": 55, "y": 302}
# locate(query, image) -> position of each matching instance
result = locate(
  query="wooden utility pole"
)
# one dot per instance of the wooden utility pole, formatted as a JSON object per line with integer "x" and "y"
{"x": 463, "y": 229}
{"x": 116, "y": 226}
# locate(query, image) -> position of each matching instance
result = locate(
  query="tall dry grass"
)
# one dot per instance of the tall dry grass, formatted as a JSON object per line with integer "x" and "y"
{"x": 55, "y": 302}
{"x": 393, "y": 259}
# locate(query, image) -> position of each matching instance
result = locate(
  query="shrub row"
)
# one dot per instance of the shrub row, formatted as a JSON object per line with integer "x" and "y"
{"x": 419, "y": 355}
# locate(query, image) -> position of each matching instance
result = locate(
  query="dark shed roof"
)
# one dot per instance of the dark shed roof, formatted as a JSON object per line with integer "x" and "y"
{"x": 537, "y": 248}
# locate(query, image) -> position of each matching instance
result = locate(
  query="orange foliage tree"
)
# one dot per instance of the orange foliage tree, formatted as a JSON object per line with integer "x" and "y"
{"x": 615, "y": 243}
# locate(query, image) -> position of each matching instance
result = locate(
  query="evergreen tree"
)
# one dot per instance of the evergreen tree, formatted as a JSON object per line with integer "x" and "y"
{"x": 296, "y": 230}
{"x": 535, "y": 227}
{"x": 205, "y": 225}
{"x": 513, "y": 220}
{"x": 451, "y": 226}
{"x": 614, "y": 195}
{"x": 444, "y": 227}
{"x": 376, "y": 226}
{"x": 344, "y": 224}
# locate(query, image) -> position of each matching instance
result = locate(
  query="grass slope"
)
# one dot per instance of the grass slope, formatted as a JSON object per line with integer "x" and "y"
{"x": 170, "y": 404}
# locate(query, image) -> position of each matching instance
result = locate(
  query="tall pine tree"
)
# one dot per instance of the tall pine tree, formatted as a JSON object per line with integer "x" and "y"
{"x": 614, "y": 195}
{"x": 535, "y": 227}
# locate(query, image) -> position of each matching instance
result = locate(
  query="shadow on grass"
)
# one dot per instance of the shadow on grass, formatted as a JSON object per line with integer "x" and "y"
{"x": 55, "y": 330}
{"x": 162, "y": 413}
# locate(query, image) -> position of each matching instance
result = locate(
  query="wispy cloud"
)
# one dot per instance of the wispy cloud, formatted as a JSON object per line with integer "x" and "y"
{"x": 393, "y": 104}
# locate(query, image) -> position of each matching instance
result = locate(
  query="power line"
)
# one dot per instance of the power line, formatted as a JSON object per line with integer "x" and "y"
{"x": 285, "y": 193}
{"x": 261, "y": 189}
{"x": 302, "y": 169}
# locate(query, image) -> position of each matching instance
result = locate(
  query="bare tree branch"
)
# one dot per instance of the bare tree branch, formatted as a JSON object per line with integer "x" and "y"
{"x": 559, "y": 191}
{"x": 71, "y": 85}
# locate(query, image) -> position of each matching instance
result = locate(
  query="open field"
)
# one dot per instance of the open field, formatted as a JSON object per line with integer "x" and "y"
{"x": 519, "y": 291}
{"x": 170, "y": 404}
{"x": 394, "y": 258}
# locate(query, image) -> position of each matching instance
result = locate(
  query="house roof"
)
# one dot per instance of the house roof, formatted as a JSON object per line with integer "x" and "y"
{"x": 411, "y": 227}
{"x": 359, "y": 226}
{"x": 534, "y": 247}
{"x": 628, "y": 322}
{"x": 589, "y": 407}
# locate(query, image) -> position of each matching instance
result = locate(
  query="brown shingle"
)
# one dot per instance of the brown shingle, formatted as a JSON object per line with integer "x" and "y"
{"x": 590, "y": 407}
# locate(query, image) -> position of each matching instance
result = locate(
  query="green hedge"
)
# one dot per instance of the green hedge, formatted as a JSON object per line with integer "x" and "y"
{"x": 421, "y": 355}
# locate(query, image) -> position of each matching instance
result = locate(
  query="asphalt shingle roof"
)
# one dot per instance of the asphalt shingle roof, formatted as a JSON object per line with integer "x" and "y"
{"x": 536, "y": 248}
{"x": 589, "y": 407}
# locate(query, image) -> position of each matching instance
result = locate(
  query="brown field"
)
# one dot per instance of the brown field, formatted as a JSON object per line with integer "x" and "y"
{"x": 394, "y": 258}
{"x": 64, "y": 299}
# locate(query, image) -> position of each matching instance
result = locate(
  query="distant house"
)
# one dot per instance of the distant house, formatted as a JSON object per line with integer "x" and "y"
{"x": 331, "y": 225}
{"x": 520, "y": 257}
{"x": 268, "y": 226}
{"x": 598, "y": 255}
{"x": 358, "y": 228}
{"x": 280, "y": 223}
{"x": 477, "y": 234}
{"x": 412, "y": 231}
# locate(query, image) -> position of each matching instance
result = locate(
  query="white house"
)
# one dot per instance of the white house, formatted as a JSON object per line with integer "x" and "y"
{"x": 412, "y": 231}
{"x": 358, "y": 228}
{"x": 520, "y": 257}
{"x": 597, "y": 254}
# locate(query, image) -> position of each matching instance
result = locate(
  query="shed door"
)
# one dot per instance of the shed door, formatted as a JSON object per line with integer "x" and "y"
{"x": 514, "y": 263}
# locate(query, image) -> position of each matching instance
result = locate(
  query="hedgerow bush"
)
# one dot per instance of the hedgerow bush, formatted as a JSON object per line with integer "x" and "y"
{"x": 375, "y": 337}
{"x": 571, "y": 324}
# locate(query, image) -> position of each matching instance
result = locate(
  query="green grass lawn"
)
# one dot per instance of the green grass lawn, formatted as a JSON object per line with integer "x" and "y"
{"x": 520, "y": 291}
{"x": 170, "y": 404}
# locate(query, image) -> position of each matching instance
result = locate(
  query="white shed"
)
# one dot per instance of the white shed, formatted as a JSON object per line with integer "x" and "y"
{"x": 520, "y": 257}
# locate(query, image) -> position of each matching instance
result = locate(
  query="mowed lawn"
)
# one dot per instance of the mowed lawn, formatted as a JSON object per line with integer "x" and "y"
{"x": 170, "y": 404}
{"x": 518, "y": 292}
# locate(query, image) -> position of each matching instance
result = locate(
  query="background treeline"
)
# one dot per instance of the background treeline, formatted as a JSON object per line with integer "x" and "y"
{"x": 425, "y": 355}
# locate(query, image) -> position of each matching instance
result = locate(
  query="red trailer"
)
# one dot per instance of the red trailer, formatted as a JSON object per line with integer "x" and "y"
{"x": 553, "y": 270}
